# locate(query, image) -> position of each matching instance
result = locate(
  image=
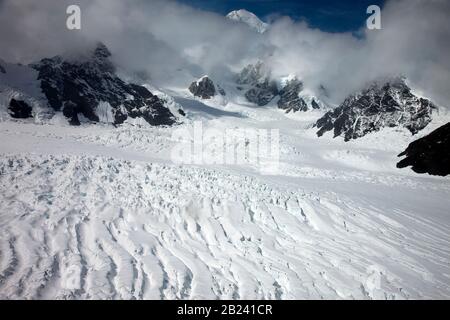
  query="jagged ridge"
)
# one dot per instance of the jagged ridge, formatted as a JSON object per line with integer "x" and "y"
{"x": 77, "y": 88}
{"x": 391, "y": 104}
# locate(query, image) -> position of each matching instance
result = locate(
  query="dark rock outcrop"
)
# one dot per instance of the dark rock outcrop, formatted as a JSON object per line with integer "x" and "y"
{"x": 430, "y": 154}
{"x": 77, "y": 87}
{"x": 256, "y": 80}
{"x": 260, "y": 89}
{"x": 290, "y": 99}
{"x": 262, "y": 93}
{"x": 314, "y": 104}
{"x": 2, "y": 70}
{"x": 203, "y": 88}
{"x": 391, "y": 104}
{"x": 20, "y": 109}
{"x": 252, "y": 74}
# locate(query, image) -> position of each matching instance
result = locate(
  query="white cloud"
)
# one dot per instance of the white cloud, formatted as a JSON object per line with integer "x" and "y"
{"x": 171, "y": 41}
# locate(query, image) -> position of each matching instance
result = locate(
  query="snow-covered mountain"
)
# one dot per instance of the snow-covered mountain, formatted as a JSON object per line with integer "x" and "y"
{"x": 86, "y": 87}
{"x": 90, "y": 88}
{"x": 383, "y": 104}
{"x": 249, "y": 19}
{"x": 255, "y": 81}
{"x": 205, "y": 88}
{"x": 261, "y": 88}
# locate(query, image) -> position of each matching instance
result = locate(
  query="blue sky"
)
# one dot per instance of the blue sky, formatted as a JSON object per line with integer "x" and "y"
{"x": 327, "y": 15}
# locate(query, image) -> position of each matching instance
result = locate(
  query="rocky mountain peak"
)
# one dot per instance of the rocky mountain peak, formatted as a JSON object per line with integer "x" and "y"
{"x": 205, "y": 88}
{"x": 388, "y": 103}
{"x": 81, "y": 87}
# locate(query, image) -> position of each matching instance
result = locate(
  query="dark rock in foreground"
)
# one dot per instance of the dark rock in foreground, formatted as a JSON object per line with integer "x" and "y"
{"x": 203, "y": 88}
{"x": 388, "y": 105}
{"x": 19, "y": 109}
{"x": 430, "y": 154}
{"x": 78, "y": 87}
{"x": 2, "y": 70}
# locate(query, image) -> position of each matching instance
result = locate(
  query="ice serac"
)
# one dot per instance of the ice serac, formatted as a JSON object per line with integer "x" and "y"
{"x": 249, "y": 19}
{"x": 387, "y": 104}
{"x": 430, "y": 154}
{"x": 80, "y": 87}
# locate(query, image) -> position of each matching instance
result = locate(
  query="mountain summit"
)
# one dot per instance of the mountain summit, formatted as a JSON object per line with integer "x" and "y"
{"x": 249, "y": 19}
{"x": 382, "y": 104}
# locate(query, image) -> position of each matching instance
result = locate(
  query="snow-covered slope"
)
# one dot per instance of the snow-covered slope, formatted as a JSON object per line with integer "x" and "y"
{"x": 249, "y": 19}
{"x": 101, "y": 212}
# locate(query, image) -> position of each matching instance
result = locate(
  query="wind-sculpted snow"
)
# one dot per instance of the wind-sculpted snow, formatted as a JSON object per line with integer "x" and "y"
{"x": 94, "y": 227}
{"x": 97, "y": 211}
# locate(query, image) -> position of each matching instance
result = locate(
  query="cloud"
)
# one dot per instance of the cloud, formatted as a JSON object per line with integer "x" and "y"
{"x": 413, "y": 42}
{"x": 171, "y": 43}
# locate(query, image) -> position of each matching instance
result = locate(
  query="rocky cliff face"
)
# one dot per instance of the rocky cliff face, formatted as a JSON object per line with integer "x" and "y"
{"x": 255, "y": 79}
{"x": 262, "y": 93}
{"x": 261, "y": 89}
{"x": 291, "y": 98}
{"x": 80, "y": 87}
{"x": 248, "y": 18}
{"x": 391, "y": 104}
{"x": 430, "y": 154}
